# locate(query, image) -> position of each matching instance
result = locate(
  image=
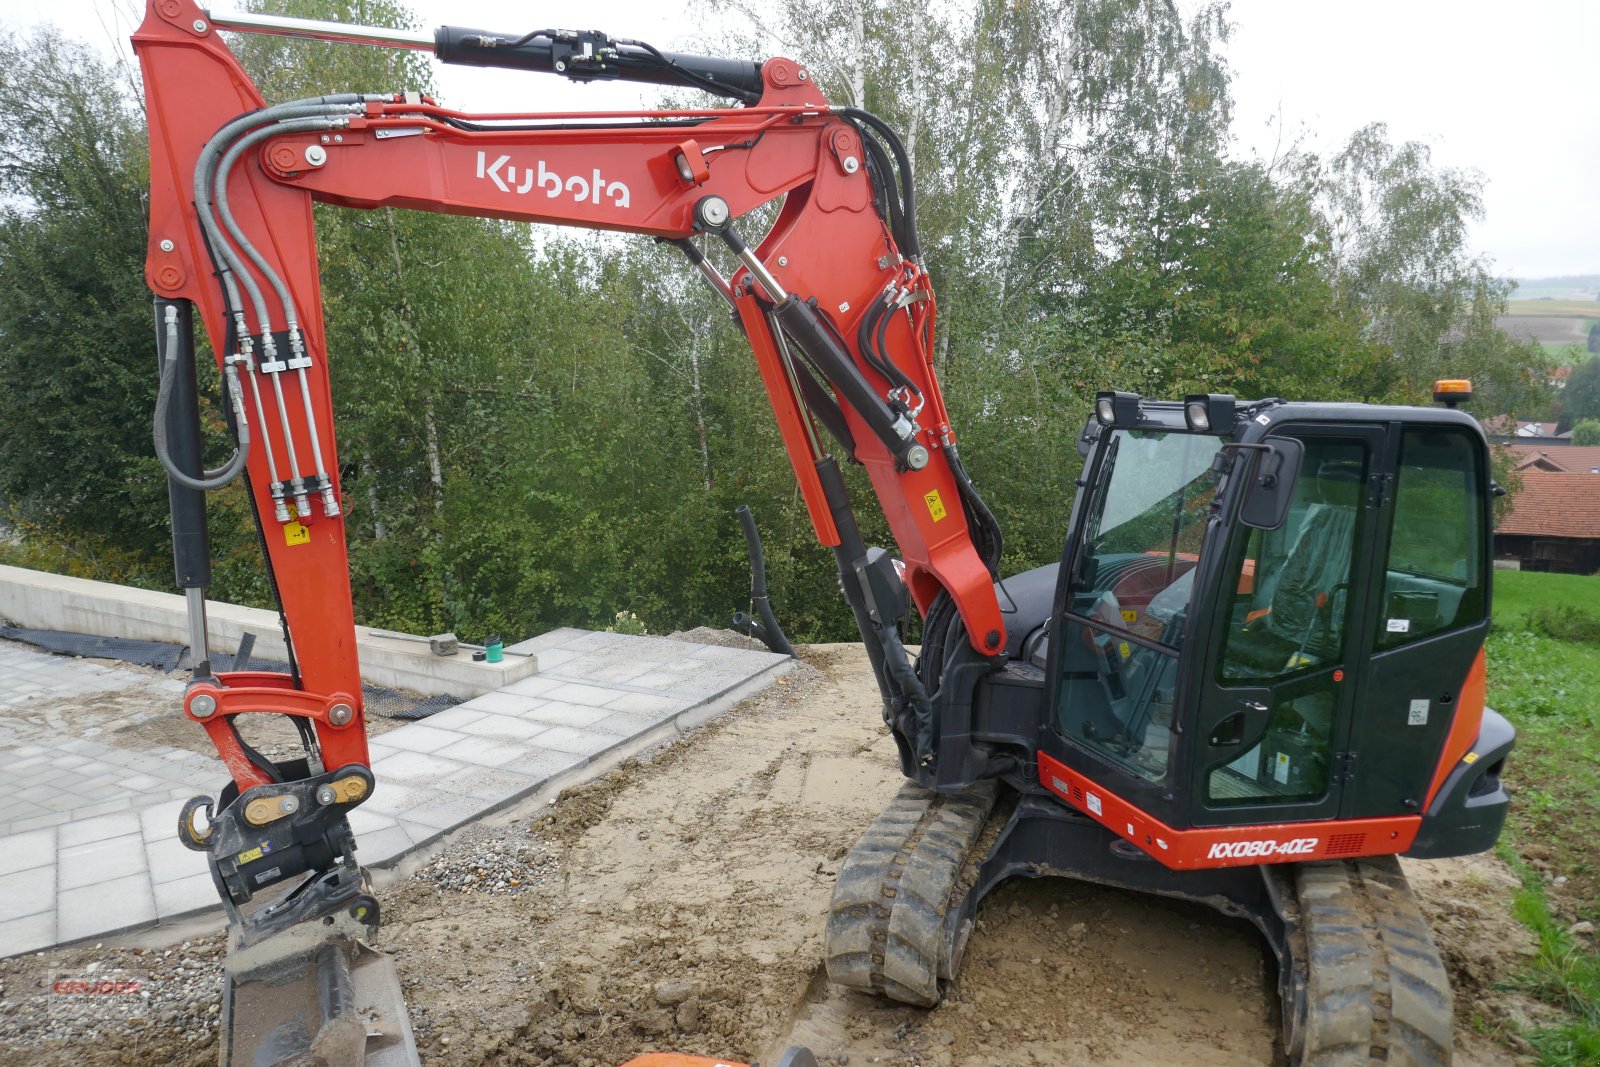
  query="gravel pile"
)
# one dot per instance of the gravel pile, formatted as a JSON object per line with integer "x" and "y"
{"x": 505, "y": 863}
{"x": 170, "y": 994}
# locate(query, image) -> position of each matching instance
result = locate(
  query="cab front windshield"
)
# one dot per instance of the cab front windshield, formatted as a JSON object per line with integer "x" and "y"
{"x": 1128, "y": 611}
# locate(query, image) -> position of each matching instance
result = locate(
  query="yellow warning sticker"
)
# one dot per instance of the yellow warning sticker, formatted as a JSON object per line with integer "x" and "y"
{"x": 1129, "y": 615}
{"x": 295, "y": 534}
{"x": 1125, "y": 650}
{"x": 1470, "y": 758}
{"x": 935, "y": 504}
{"x": 248, "y": 854}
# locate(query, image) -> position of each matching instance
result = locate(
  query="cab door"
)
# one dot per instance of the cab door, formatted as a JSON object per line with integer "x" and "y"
{"x": 1431, "y": 617}
{"x": 1275, "y": 687}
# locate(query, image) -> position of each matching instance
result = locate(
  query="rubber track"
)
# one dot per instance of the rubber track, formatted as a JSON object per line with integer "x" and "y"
{"x": 886, "y": 925}
{"x": 1377, "y": 990}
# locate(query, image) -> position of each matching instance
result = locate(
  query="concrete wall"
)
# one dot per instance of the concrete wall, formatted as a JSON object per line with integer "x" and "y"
{"x": 43, "y": 601}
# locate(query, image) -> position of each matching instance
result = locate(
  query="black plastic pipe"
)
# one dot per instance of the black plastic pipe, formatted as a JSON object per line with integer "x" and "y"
{"x": 765, "y": 625}
{"x": 191, "y": 541}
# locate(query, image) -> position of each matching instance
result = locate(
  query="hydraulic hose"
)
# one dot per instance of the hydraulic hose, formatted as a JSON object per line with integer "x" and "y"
{"x": 209, "y": 479}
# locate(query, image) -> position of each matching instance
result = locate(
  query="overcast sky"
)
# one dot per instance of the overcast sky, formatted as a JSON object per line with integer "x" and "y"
{"x": 1505, "y": 89}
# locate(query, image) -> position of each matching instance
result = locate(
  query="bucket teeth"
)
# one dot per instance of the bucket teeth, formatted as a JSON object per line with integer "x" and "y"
{"x": 889, "y": 928}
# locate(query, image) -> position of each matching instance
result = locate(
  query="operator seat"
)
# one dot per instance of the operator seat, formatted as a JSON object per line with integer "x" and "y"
{"x": 1304, "y": 620}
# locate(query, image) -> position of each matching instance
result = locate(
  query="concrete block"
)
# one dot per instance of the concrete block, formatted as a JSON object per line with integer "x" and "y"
{"x": 578, "y": 693}
{"x": 546, "y": 641}
{"x": 39, "y": 822}
{"x": 28, "y": 934}
{"x": 83, "y": 831}
{"x": 540, "y": 765}
{"x": 507, "y": 703}
{"x": 160, "y": 821}
{"x": 101, "y": 861}
{"x": 454, "y": 718}
{"x": 552, "y": 660}
{"x": 537, "y": 686}
{"x": 506, "y": 728}
{"x": 590, "y": 640}
{"x": 484, "y": 751}
{"x": 105, "y": 907}
{"x": 576, "y": 741}
{"x": 413, "y": 769}
{"x": 419, "y": 738}
{"x": 421, "y": 835}
{"x": 185, "y": 896}
{"x": 648, "y": 704}
{"x": 363, "y": 822}
{"x": 490, "y": 786}
{"x": 27, "y": 892}
{"x": 24, "y": 851}
{"x": 625, "y": 725}
{"x": 393, "y": 800}
{"x": 169, "y": 861}
{"x": 442, "y": 811}
{"x": 120, "y": 804}
{"x": 559, "y": 713}
{"x": 140, "y": 783}
{"x": 383, "y": 846}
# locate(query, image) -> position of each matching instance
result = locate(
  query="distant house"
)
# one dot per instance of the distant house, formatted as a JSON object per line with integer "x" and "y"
{"x": 1504, "y": 429}
{"x": 1554, "y": 523}
{"x": 1562, "y": 459}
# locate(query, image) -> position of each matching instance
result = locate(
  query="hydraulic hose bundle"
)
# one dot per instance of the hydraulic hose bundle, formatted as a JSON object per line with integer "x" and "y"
{"x": 230, "y": 249}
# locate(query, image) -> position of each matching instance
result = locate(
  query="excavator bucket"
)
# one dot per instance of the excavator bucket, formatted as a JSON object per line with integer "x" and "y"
{"x": 335, "y": 1004}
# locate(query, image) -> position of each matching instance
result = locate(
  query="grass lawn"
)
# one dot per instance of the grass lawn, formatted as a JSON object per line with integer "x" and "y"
{"x": 1549, "y": 687}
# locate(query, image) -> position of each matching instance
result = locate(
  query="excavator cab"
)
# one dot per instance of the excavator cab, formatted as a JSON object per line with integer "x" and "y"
{"x": 1276, "y": 619}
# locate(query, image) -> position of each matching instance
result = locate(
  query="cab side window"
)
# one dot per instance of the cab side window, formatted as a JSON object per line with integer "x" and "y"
{"x": 1290, "y": 605}
{"x": 1433, "y": 580}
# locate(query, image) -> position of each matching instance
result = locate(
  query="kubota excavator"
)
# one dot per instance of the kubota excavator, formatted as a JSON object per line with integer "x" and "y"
{"x": 1255, "y": 677}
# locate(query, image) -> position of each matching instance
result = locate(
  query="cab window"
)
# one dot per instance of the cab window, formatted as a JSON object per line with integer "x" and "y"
{"x": 1433, "y": 580}
{"x": 1128, "y": 611}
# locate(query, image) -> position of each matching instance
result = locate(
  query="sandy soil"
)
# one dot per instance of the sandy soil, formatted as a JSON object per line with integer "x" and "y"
{"x": 677, "y": 904}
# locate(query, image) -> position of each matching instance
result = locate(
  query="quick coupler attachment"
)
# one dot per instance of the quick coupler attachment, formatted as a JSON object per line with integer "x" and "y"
{"x": 272, "y": 833}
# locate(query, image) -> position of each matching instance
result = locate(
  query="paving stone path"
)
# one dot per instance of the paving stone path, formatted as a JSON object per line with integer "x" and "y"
{"x": 87, "y": 866}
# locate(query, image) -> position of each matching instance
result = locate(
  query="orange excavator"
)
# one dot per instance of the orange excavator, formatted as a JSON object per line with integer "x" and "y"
{"x": 1254, "y": 678}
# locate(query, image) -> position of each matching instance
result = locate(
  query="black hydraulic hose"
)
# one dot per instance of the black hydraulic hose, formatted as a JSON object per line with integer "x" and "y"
{"x": 770, "y": 632}
{"x": 899, "y": 665}
{"x": 217, "y": 477}
{"x": 884, "y": 190}
{"x": 990, "y": 540}
{"x": 912, "y": 244}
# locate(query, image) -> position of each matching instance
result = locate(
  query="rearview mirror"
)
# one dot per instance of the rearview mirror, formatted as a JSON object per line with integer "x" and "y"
{"x": 1266, "y": 498}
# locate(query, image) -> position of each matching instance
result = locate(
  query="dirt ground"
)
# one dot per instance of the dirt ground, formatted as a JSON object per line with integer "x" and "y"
{"x": 677, "y": 904}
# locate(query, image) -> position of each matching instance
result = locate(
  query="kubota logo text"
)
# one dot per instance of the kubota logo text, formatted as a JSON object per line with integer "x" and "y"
{"x": 512, "y": 179}
{"x": 1235, "y": 850}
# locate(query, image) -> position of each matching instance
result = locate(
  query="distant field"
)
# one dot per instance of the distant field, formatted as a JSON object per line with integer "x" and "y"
{"x": 1578, "y": 309}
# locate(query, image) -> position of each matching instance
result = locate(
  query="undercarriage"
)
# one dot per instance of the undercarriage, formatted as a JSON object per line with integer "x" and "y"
{"x": 1359, "y": 978}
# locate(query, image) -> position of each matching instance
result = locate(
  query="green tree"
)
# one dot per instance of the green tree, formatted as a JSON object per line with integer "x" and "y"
{"x": 1580, "y": 399}
{"x": 1586, "y": 432}
{"x": 76, "y": 329}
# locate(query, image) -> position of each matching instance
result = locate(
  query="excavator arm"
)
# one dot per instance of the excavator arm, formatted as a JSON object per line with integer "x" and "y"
{"x": 833, "y": 298}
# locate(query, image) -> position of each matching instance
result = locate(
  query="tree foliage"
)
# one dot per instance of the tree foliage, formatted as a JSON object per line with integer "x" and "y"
{"x": 546, "y": 428}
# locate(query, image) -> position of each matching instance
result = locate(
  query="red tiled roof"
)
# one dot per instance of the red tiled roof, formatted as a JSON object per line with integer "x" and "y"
{"x": 1555, "y": 505}
{"x": 1571, "y": 458}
